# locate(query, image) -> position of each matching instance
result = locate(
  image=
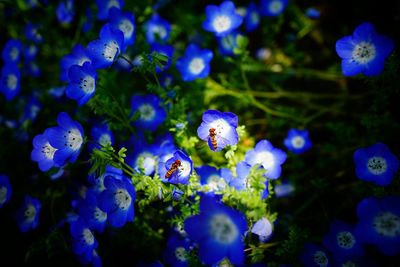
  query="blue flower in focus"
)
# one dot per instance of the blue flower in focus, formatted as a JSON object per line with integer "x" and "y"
{"x": 67, "y": 138}
{"x": 104, "y": 51}
{"x": 252, "y": 17}
{"x": 104, "y": 7}
{"x": 82, "y": 83}
{"x": 83, "y": 240}
{"x": 177, "y": 169}
{"x": 376, "y": 164}
{"x": 89, "y": 210}
{"x": 78, "y": 56}
{"x": 269, "y": 157}
{"x": 218, "y": 129}
{"x": 272, "y": 8}
{"x": 195, "y": 63}
{"x": 228, "y": 43}
{"x": 32, "y": 33}
{"x": 166, "y": 50}
{"x": 28, "y": 214}
{"x": 313, "y": 13}
{"x": 177, "y": 251}
{"x": 364, "y": 52}
{"x": 222, "y": 19}
{"x": 125, "y": 22}
{"x": 263, "y": 228}
{"x": 218, "y": 230}
{"x": 314, "y": 255}
{"x": 10, "y": 81}
{"x": 341, "y": 241}
{"x": 157, "y": 29}
{"x": 5, "y": 190}
{"x": 65, "y": 11}
{"x": 43, "y": 152}
{"x": 379, "y": 223}
{"x": 297, "y": 141}
{"x": 12, "y": 51}
{"x": 150, "y": 110}
{"x": 102, "y": 134}
{"x": 117, "y": 200}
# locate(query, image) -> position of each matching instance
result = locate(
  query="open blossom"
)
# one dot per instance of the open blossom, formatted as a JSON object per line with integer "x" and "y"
{"x": 222, "y": 19}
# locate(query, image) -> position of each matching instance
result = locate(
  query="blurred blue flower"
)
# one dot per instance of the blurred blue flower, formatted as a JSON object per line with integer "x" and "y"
{"x": 297, "y": 141}
{"x": 272, "y": 8}
{"x": 263, "y": 228}
{"x": 78, "y": 56}
{"x": 157, "y": 29}
{"x": 83, "y": 240}
{"x": 125, "y": 22}
{"x": 30, "y": 51}
{"x": 252, "y": 17}
{"x": 12, "y": 51}
{"x": 32, "y": 33}
{"x": 10, "y": 81}
{"x": 150, "y": 110}
{"x": 104, "y": 7}
{"x": 28, "y": 214}
{"x": 313, "y": 13}
{"x": 65, "y": 11}
{"x": 177, "y": 251}
{"x": 5, "y": 190}
{"x": 89, "y": 210}
{"x": 228, "y": 43}
{"x": 166, "y": 50}
{"x": 82, "y": 83}
{"x": 315, "y": 256}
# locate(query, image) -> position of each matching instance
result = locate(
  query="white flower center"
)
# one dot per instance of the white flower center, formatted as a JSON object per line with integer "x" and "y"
{"x": 222, "y": 229}
{"x": 105, "y": 139}
{"x": 83, "y": 60}
{"x": 126, "y": 27}
{"x": 298, "y": 142}
{"x": 87, "y": 236}
{"x": 387, "y": 224}
{"x": 48, "y": 151}
{"x": 122, "y": 199}
{"x": 221, "y": 127}
{"x": 345, "y": 240}
{"x": 30, "y": 213}
{"x": 87, "y": 84}
{"x": 111, "y": 49}
{"x": 221, "y": 23}
{"x": 73, "y": 139}
{"x": 184, "y": 169}
{"x": 265, "y": 158}
{"x": 364, "y": 52}
{"x": 180, "y": 254}
{"x": 320, "y": 258}
{"x": 377, "y": 165}
{"x": 3, "y": 194}
{"x": 12, "y": 81}
{"x": 215, "y": 182}
{"x": 113, "y": 3}
{"x": 14, "y": 53}
{"x": 147, "y": 112}
{"x": 254, "y": 17}
{"x": 196, "y": 65}
{"x": 160, "y": 31}
{"x": 275, "y": 7}
{"x": 99, "y": 215}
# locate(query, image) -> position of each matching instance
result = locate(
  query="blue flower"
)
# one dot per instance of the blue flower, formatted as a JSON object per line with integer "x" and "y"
{"x": 104, "y": 51}
{"x": 83, "y": 240}
{"x": 313, "y": 13}
{"x": 117, "y": 200}
{"x": 263, "y": 228}
{"x": 91, "y": 213}
{"x": 376, "y": 164}
{"x": 43, "y": 152}
{"x": 78, "y": 56}
{"x": 88, "y": 21}
{"x": 97, "y": 181}
{"x": 30, "y": 51}
{"x": 31, "y": 68}
{"x": 104, "y": 7}
{"x": 364, "y": 52}
{"x": 215, "y": 179}
{"x": 102, "y": 134}
{"x": 166, "y": 50}
{"x": 12, "y": 51}
{"x": 67, "y": 138}
{"x": 177, "y": 251}
{"x": 82, "y": 83}
{"x": 5, "y": 190}
{"x": 218, "y": 129}
{"x": 341, "y": 241}
{"x": 315, "y": 256}
{"x": 284, "y": 189}
{"x": 32, "y": 33}
{"x": 222, "y": 19}
{"x": 65, "y": 11}
{"x": 92, "y": 258}
{"x": 10, "y": 81}
{"x": 272, "y": 8}
{"x": 177, "y": 194}
{"x": 28, "y": 214}
{"x": 252, "y": 17}
{"x": 125, "y": 22}
{"x": 157, "y": 29}
{"x": 379, "y": 223}
{"x": 177, "y": 169}
{"x": 228, "y": 43}
{"x": 218, "y": 230}
{"x": 195, "y": 63}
{"x": 297, "y": 141}
{"x": 151, "y": 111}
{"x": 268, "y": 157}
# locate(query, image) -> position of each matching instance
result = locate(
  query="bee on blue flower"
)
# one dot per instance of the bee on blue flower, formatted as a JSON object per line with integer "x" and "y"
{"x": 297, "y": 141}
{"x": 269, "y": 157}
{"x": 104, "y": 51}
{"x": 195, "y": 63}
{"x": 177, "y": 251}
{"x": 222, "y": 19}
{"x": 89, "y": 210}
{"x": 10, "y": 81}
{"x": 104, "y": 7}
{"x": 151, "y": 111}
{"x": 67, "y": 138}
{"x": 5, "y": 190}
{"x": 82, "y": 83}
{"x": 28, "y": 214}
{"x": 83, "y": 239}
{"x": 218, "y": 230}
{"x": 364, "y": 52}
{"x": 78, "y": 56}
{"x": 177, "y": 169}
{"x": 218, "y": 129}
{"x": 117, "y": 200}
{"x": 125, "y": 22}
{"x": 272, "y": 8}
{"x": 166, "y": 50}
{"x": 315, "y": 255}
{"x": 43, "y": 152}
{"x": 379, "y": 223}
{"x": 157, "y": 29}
{"x": 376, "y": 164}
{"x": 12, "y": 51}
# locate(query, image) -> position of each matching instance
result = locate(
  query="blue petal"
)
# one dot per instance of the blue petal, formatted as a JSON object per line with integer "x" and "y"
{"x": 211, "y": 252}
{"x": 345, "y": 47}
{"x": 364, "y": 32}
{"x": 195, "y": 227}
{"x": 351, "y": 68}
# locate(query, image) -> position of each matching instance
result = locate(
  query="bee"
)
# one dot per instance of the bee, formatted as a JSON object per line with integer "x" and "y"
{"x": 213, "y": 134}
{"x": 173, "y": 168}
